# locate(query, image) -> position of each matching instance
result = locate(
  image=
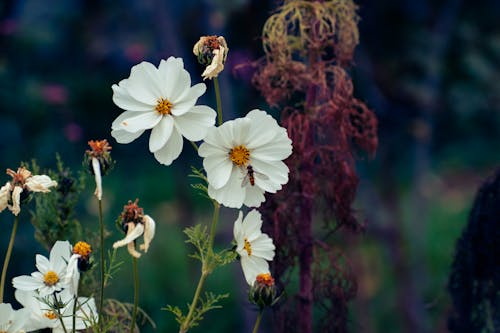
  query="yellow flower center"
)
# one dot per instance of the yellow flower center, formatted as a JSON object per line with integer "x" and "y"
{"x": 50, "y": 278}
{"x": 265, "y": 279}
{"x": 163, "y": 106}
{"x": 247, "y": 246}
{"x": 239, "y": 155}
{"x": 83, "y": 249}
{"x": 50, "y": 315}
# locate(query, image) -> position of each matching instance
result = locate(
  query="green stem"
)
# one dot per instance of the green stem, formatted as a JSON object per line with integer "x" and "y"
{"x": 101, "y": 299}
{"x": 136, "y": 294}
{"x": 74, "y": 312}
{"x": 218, "y": 101}
{"x": 257, "y": 322}
{"x": 59, "y": 315}
{"x": 194, "y": 145}
{"x": 7, "y": 257}
{"x": 205, "y": 271}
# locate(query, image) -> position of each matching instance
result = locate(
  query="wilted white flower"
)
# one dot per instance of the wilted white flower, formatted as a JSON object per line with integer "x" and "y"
{"x": 254, "y": 247}
{"x": 163, "y": 100}
{"x": 243, "y": 159}
{"x": 99, "y": 161}
{"x": 211, "y": 51}
{"x": 23, "y": 182}
{"x": 12, "y": 321}
{"x": 45, "y": 312}
{"x": 135, "y": 224}
{"x": 51, "y": 275}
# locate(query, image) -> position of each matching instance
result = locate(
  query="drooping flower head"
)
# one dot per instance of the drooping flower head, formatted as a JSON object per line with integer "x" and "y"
{"x": 254, "y": 247}
{"x": 12, "y": 321}
{"x": 243, "y": 159}
{"x": 211, "y": 52}
{"x": 99, "y": 162}
{"x": 134, "y": 223}
{"x": 18, "y": 190}
{"x": 51, "y": 275}
{"x": 83, "y": 250}
{"x": 161, "y": 99}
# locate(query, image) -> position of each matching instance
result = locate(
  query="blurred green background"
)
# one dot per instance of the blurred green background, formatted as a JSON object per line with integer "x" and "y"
{"x": 429, "y": 69}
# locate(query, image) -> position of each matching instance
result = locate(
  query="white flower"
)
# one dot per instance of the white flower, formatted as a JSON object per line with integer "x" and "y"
{"x": 163, "y": 100}
{"x": 22, "y": 181}
{"x": 134, "y": 231}
{"x": 211, "y": 51}
{"x": 12, "y": 321}
{"x": 243, "y": 159}
{"x": 51, "y": 275}
{"x": 253, "y": 246}
{"x": 98, "y": 179}
{"x": 43, "y": 313}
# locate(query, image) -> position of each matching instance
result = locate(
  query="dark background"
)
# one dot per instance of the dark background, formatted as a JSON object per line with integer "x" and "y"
{"x": 429, "y": 69}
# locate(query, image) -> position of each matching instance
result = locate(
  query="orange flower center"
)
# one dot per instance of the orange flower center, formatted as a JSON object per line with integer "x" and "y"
{"x": 99, "y": 147}
{"x": 163, "y": 106}
{"x": 50, "y": 278}
{"x": 50, "y": 315}
{"x": 82, "y": 248}
{"x": 239, "y": 155}
{"x": 265, "y": 279}
{"x": 247, "y": 246}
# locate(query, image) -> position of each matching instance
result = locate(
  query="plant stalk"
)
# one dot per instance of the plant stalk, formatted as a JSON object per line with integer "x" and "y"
{"x": 136, "y": 295}
{"x": 101, "y": 298}
{"x": 218, "y": 101}
{"x": 257, "y": 322}
{"x": 7, "y": 257}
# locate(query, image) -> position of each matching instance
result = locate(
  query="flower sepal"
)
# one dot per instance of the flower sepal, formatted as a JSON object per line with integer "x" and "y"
{"x": 263, "y": 292}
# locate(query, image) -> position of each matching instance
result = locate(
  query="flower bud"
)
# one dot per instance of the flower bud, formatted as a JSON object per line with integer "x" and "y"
{"x": 263, "y": 292}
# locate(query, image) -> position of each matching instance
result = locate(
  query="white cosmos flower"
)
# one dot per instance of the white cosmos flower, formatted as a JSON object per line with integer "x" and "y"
{"x": 43, "y": 315}
{"x": 254, "y": 247}
{"x": 163, "y": 100}
{"x": 51, "y": 275}
{"x": 134, "y": 231}
{"x": 243, "y": 159}
{"x": 12, "y": 321}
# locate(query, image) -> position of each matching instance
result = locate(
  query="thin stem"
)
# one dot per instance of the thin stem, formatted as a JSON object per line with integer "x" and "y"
{"x": 59, "y": 315}
{"x": 101, "y": 299}
{"x": 74, "y": 313}
{"x": 194, "y": 145}
{"x": 257, "y": 322}
{"x": 136, "y": 294}
{"x": 7, "y": 257}
{"x": 218, "y": 101}
{"x": 187, "y": 322}
{"x": 205, "y": 270}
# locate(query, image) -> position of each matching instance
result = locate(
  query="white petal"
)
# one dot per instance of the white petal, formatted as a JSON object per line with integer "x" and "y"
{"x": 276, "y": 171}
{"x": 140, "y": 86}
{"x": 123, "y": 136}
{"x": 264, "y": 128}
{"x": 188, "y": 100}
{"x": 170, "y": 74}
{"x": 40, "y": 183}
{"x": 133, "y": 252}
{"x": 231, "y": 195}
{"x": 171, "y": 150}
{"x": 252, "y": 223}
{"x": 134, "y": 231}
{"x": 98, "y": 179}
{"x": 143, "y": 121}
{"x": 206, "y": 149}
{"x": 124, "y": 100}
{"x": 237, "y": 230}
{"x": 263, "y": 247}
{"x": 16, "y": 200}
{"x": 149, "y": 232}
{"x": 19, "y": 319}
{"x": 161, "y": 133}
{"x": 276, "y": 150}
{"x": 219, "y": 169}
{"x": 42, "y": 264}
{"x": 6, "y": 314}
{"x": 194, "y": 125}
{"x": 147, "y": 72}
{"x": 72, "y": 275}
{"x": 253, "y": 266}
{"x": 26, "y": 282}
{"x": 254, "y": 196}
{"x": 59, "y": 256}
